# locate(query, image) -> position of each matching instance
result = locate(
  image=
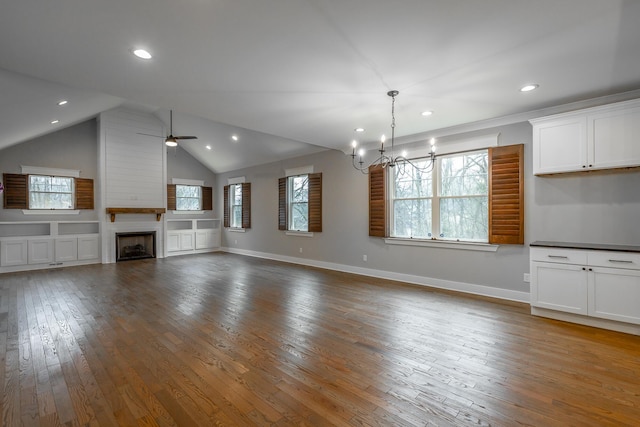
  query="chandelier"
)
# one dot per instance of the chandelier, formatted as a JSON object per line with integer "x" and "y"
{"x": 392, "y": 160}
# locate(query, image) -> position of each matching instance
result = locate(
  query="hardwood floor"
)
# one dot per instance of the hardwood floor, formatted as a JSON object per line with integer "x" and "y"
{"x": 223, "y": 339}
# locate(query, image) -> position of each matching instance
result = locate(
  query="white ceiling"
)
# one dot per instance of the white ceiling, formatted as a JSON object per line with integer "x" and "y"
{"x": 292, "y": 77}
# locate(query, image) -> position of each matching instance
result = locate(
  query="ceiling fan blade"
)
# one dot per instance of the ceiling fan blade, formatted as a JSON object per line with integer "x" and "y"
{"x": 185, "y": 137}
{"x": 148, "y": 134}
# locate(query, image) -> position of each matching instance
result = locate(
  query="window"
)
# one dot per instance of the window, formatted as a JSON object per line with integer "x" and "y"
{"x": 188, "y": 198}
{"x": 298, "y": 198}
{"x": 51, "y": 192}
{"x": 237, "y": 205}
{"x": 300, "y": 203}
{"x": 235, "y": 193}
{"x": 450, "y": 201}
{"x": 476, "y": 196}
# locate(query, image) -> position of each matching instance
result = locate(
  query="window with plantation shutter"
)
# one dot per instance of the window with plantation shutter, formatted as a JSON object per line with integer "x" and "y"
{"x": 246, "y": 205}
{"x": 84, "y": 193}
{"x": 237, "y": 205}
{"x": 377, "y": 201}
{"x": 506, "y": 195}
{"x": 225, "y": 206}
{"x": 300, "y": 203}
{"x": 472, "y": 196}
{"x": 171, "y": 197}
{"x": 47, "y": 193}
{"x": 15, "y": 191}
{"x": 189, "y": 197}
{"x": 207, "y": 198}
{"x": 282, "y": 204}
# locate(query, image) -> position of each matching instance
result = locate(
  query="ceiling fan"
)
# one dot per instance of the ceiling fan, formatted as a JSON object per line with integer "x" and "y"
{"x": 172, "y": 140}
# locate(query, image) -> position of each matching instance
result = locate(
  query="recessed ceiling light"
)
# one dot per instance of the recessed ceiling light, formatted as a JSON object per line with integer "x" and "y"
{"x": 53, "y": 122}
{"x": 142, "y": 54}
{"x": 427, "y": 113}
{"x": 359, "y": 129}
{"x": 63, "y": 102}
{"x": 208, "y": 147}
{"x": 528, "y": 88}
{"x": 234, "y": 137}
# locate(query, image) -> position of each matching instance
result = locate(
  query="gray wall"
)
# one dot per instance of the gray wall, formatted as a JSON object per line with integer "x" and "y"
{"x": 584, "y": 208}
{"x": 75, "y": 147}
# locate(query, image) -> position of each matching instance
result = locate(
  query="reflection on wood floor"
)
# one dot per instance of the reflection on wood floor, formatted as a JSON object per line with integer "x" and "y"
{"x": 221, "y": 339}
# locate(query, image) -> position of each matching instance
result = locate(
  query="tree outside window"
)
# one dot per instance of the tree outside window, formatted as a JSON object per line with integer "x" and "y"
{"x": 298, "y": 202}
{"x": 448, "y": 202}
{"x": 50, "y": 192}
{"x": 188, "y": 198}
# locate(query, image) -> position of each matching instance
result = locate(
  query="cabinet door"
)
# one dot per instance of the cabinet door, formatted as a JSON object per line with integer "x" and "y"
{"x": 560, "y": 287}
{"x": 173, "y": 241}
{"x": 613, "y": 138}
{"x": 13, "y": 252}
{"x": 186, "y": 241}
{"x": 66, "y": 249}
{"x": 615, "y": 294}
{"x": 560, "y": 145}
{"x": 204, "y": 239}
{"x": 40, "y": 251}
{"x": 88, "y": 247}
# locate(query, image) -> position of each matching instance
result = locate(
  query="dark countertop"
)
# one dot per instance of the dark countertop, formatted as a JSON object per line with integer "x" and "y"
{"x": 592, "y": 246}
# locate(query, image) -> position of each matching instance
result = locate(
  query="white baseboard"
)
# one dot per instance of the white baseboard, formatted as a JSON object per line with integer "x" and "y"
{"x": 468, "y": 288}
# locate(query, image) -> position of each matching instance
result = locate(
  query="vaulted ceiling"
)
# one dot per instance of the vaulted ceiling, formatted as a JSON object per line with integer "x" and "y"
{"x": 291, "y": 77}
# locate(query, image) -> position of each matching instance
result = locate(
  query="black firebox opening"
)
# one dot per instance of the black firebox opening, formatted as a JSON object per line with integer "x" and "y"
{"x": 135, "y": 245}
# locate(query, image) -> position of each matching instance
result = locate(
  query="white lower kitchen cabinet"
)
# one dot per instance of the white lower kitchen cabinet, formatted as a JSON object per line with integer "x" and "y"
{"x": 615, "y": 294}
{"x": 587, "y": 283}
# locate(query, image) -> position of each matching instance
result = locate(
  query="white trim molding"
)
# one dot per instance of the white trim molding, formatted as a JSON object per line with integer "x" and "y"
{"x": 236, "y": 180}
{"x": 304, "y": 170}
{"x": 179, "y": 181}
{"x": 443, "y": 244}
{"x": 37, "y": 170}
{"x": 50, "y": 211}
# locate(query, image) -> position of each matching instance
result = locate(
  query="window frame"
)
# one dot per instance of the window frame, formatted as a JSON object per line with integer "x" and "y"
{"x": 72, "y": 193}
{"x": 291, "y": 204}
{"x": 314, "y": 202}
{"x": 233, "y": 188}
{"x": 436, "y": 197}
{"x": 199, "y": 198}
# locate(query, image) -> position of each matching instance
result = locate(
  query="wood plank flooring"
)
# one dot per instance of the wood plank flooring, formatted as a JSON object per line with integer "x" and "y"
{"x": 222, "y": 339}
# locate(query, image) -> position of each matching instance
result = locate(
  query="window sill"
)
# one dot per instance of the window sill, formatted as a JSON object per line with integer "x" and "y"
{"x": 187, "y": 212}
{"x": 50, "y": 211}
{"x": 445, "y": 244}
{"x": 236, "y": 230}
{"x": 299, "y": 233}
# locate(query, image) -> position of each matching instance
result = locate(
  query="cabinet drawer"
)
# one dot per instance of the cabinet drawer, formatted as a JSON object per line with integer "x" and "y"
{"x": 564, "y": 256}
{"x": 625, "y": 260}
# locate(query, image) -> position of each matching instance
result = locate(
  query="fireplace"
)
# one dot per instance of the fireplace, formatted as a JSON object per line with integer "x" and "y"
{"x": 135, "y": 245}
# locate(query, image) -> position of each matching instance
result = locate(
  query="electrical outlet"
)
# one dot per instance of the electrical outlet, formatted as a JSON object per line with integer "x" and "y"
{"x": 364, "y": 258}
{"x": 300, "y": 250}
{"x": 527, "y": 277}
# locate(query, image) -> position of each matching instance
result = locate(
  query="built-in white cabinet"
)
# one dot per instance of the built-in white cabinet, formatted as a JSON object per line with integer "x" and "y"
{"x": 591, "y": 139}
{"x": 192, "y": 236}
{"x": 13, "y": 252}
{"x": 594, "y": 283}
{"x": 25, "y": 246}
{"x": 40, "y": 251}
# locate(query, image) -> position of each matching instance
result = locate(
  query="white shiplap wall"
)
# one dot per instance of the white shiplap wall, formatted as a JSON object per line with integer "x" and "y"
{"x": 133, "y": 174}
